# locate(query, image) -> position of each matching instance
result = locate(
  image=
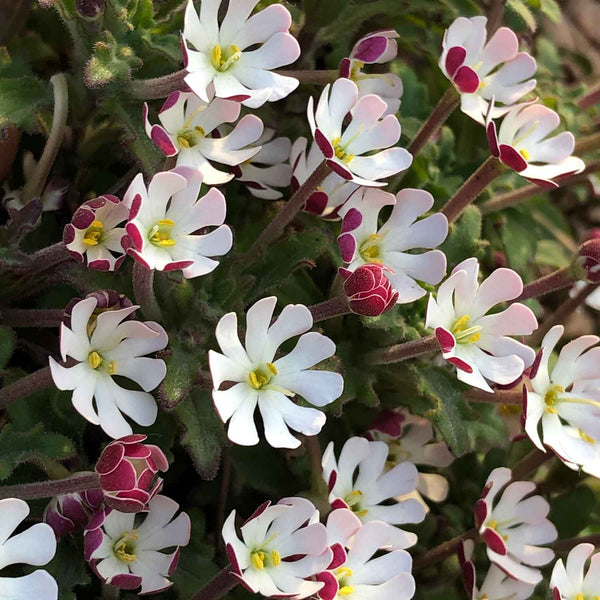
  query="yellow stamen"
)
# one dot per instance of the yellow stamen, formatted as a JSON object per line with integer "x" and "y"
{"x": 461, "y": 324}
{"x": 258, "y": 560}
{"x": 124, "y": 549}
{"x": 94, "y": 359}
{"x": 465, "y": 334}
{"x": 275, "y": 558}
{"x": 217, "y": 56}
{"x": 493, "y": 524}
{"x": 222, "y": 61}
{"x": 586, "y": 437}
{"x": 475, "y": 337}
{"x": 260, "y": 377}
{"x": 167, "y": 222}
{"x": 551, "y": 410}
{"x": 343, "y": 572}
{"x": 361, "y": 513}
{"x": 199, "y": 130}
{"x": 112, "y": 367}
{"x": 579, "y": 596}
{"x": 346, "y": 590}
{"x": 160, "y": 234}
{"x": 93, "y": 234}
{"x": 272, "y": 368}
{"x": 370, "y": 249}
{"x": 340, "y": 151}
{"x": 184, "y": 141}
{"x": 524, "y": 154}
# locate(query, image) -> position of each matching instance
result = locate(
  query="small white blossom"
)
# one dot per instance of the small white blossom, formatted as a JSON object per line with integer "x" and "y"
{"x": 565, "y": 401}
{"x": 189, "y": 131}
{"x": 569, "y": 582}
{"x": 273, "y": 533}
{"x": 365, "y": 492}
{"x": 34, "y": 546}
{"x": 392, "y": 245}
{"x": 481, "y": 72}
{"x": 126, "y": 553}
{"x": 360, "y": 151}
{"x": 103, "y": 346}
{"x": 261, "y": 379}
{"x": 512, "y": 522}
{"x": 164, "y": 220}
{"x": 237, "y": 55}
{"x": 478, "y": 344}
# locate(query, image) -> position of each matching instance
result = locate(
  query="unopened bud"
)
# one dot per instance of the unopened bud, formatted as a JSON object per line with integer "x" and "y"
{"x": 590, "y": 252}
{"x": 369, "y": 291}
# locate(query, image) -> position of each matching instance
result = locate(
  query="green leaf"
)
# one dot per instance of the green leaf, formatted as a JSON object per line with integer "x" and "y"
{"x": 203, "y": 436}
{"x": 523, "y": 12}
{"x": 464, "y": 240}
{"x": 358, "y": 381}
{"x": 35, "y": 446}
{"x": 570, "y": 511}
{"x": 553, "y": 254}
{"x": 7, "y": 346}
{"x": 444, "y": 392}
{"x": 551, "y": 9}
{"x": 182, "y": 366}
{"x": 21, "y": 100}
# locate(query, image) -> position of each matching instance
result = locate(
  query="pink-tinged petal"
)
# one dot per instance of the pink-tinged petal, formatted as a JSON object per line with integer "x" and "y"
{"x": 324, "y": 144}
{"x": 388, "y": 422}
{"x": 492, "y": 137}
{"x": 126, "y": 581}
{"x": 466, "y": 80}
{"x": 481, "y": 512}
{"x": 259, "y": 511}
{"x": 460, "y": 364}
{"x": 330, "y": 588}
{"x": 339, "y": 556}
{"x": 316, "y": 203}
{"x": 68, "y": 234}
{"x": 468, "y": 572}
{"x": 177, "y": 265}
{"x": 110, "y": 459}
{"x": 332, "y": 480}
{"x": 123, "y": 478}
{"x": 339, "y": 169}
{"x": 235, "y": 566}
{"x": 135, "y": 235}
{"x": 351, "y": 221}
{"x": 370, "y": 49}
{"x": 511, "y": 158}
{"x": 445, "y": 339}
{"x": 494, "y": 541}
{"x": 347, "y": 246}
{"x": 161, "y": 138}
{"x": 99, "y": 265}
{"x": 171, "y": 101}
{"x": 83, "y": 218}
{"x": 345, "y": 68}
{"x": 454, "y": 59}
{"x": 338, "y": 503}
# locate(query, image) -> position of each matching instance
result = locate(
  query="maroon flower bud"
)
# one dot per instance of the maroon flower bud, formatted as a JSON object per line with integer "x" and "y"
{"x": 89, "y": 9}
{"x": 127, "y": 470}
{"x": 70, "y": 513}
{"x": 106, "y": 300}
{"x": 592, "y": 234}
{"x": 369, "y": 291}
{"x": 590, "y": 252}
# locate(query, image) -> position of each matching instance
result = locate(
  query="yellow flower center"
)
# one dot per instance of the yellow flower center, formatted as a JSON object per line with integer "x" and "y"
{"x": 261, "y": 559}
{"x": 346, "y": 590}
{"x": 261, "y": 377}
{"x": 463, "y": 334}
{"x": 160, "y": 234}
{"x": 124, "y": 549}
{"x": 93, "y": 234}
{"x": 188, "y": 138}
{"x": 95, "y": 360}
{"x": 524, "y": 154}
{"x": 370, "y": 249}
{"x": 353, "y": 501}
{"x": 223, "y": 59}
{"x": 340, "y": 151}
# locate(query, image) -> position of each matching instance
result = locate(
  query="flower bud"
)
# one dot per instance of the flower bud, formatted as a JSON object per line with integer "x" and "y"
{"x": 89, "y": 9}
{"x": 106, "y": 300}
{"x": 590, "y": 252}
{"x": 127, "y": 470}
{"x": 369, "y": 291}
{"x": 70, "y": 513}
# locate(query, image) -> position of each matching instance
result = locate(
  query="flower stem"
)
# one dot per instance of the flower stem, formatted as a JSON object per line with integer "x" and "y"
{"x": 23, "y": 317}
{"x": 49, "y": 257}
{"x": 286, "y": 215}
{"x": 567, "y": 545}
{"x": 80, "y": 482}
{"x": 443, "y": 550}
{"x": 34, "y": 382}
{"x": 527, "y": 191}
{"x": 36, "y": 183}
{"x": 222, "y": 583}
{"x": 530, "y": 463}
{"x": 334, "y": 307}
{"x": 158, "y": 87}
{"x": 472, "y": 188}
{"x": 311, "y": 77}
{"x": 513, "y": 396}
{"x": 590, "y": 98}
{"x": 561, "y": 313}
{"x": 587, "y": 144}
{"x": 143, "y": 290}
{"x": 557, "y": 280}
{"x": 399, "y": 352}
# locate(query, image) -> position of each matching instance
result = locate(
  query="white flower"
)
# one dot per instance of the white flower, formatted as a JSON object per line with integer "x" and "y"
{"x": 237, "y": 55}
{"x": 410, "y": 437}
{"x": 513, "y": 526}
{"x": 268, "y": 168}
{"x": 522, "y": 144}
{"x": 93, "y": 233}
{"x": 497, "y": 585}
{"x": 126, "y": 553}
{"x": 376, "y": 47}
{"x": 189, "y": 131}
{"x": 566, "y": 401}
{"x": 34, "y": 546}
{"x": 273, "y": 533}
{"x": 481, "y": 71}
{"x": 570, "y": 583}
{"x": 362, "y": 241}
{"x": 330, "y": 196}
{"x": 356, "y": 573}
{"x": 593, "y": 300}
{"x": 365, "y": 492}
{"x": 268, "y": 382}
{"x": 360, "y": 151}
{"x": 478, "y": 344}
{"x": 164, "y": 219}
{"x": 103, "y": 346}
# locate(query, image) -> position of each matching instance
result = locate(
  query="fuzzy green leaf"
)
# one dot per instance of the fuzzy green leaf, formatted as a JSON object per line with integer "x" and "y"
{"x": 463, "y": 239}
{"x": 7, "y": 346}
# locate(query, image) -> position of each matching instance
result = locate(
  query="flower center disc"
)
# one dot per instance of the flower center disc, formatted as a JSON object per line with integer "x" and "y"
{"x": 93, "y": 234}
{"x": 261, "y": 377}
{"x": 223, "y": 59}
{"x": 463, "y": 334}
{"x": 160, "y": 234}
{"x": 124, "y": 549}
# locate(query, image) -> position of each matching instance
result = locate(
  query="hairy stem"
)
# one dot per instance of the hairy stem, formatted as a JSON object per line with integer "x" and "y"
{"x": 36, "y": 183}
{"x": 404, "y": 351}
{"x": 292, "y": 207}
{"x": 311, "y": 77}
{"x": 143, "y": 290}
{"x": 530, "y": 463}
{"x": 158, "y": 87}
{"x": 35, "y": 317}
{"x": 34, "y": 382}
{"x": 567, "y": 545}
{"x": 587, "y": 144}
{"x": 557, "y": 280}
{"x": 443, "y": 551}
{"x": 80, "y": 482}
{"x": 561, "y": 313}
{"x": 513, "y": 396}
{"x": 222, "y": 583}
{"x": 334, "y": 307}
{"x": 472, "y": 188}
{"x": 590, "y": 98}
